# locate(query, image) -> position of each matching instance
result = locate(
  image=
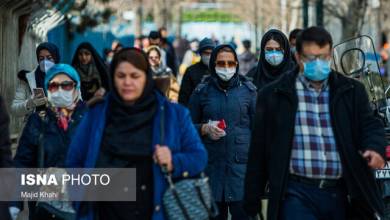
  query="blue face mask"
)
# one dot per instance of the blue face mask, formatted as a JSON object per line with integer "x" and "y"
{"x": 316, "y": 70}
{"x": 274, "y": 57}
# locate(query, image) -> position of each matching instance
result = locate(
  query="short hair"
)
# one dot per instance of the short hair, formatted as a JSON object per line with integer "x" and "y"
{"x": 294, "y": 34}
{"x": 154, "y": 35}
{"x": 317, "y": 35}
{"x": 246, "y": 44}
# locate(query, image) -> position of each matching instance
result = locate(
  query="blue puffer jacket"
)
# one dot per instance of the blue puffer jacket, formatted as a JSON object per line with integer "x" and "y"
{"x": 188, "y": 153}
{"x": 227, "y": 156}
{"x": 55, "y": 140}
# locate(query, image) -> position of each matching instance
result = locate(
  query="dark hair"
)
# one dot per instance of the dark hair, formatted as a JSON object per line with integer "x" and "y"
{"x": 317, "y": 35}
{"x": 294, "y": 34}
{"x": 247, "y": 44}
{"x": 153, "y": 49}
{"x": 132, "y": 55}
{"x": 276, "y": 37}
{"x": 154, "y": 35}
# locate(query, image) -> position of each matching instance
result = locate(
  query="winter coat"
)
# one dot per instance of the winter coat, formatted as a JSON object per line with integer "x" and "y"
{"x": 355, "y": 128}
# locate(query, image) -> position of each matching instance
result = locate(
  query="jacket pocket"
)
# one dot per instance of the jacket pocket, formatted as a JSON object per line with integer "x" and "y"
{"x": 241, "y": 158}
{"x": 242, "y": 147}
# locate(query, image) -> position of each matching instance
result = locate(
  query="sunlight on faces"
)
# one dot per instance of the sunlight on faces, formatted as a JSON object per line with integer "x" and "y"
{"x": 60, "y": 78}
{"x": 225, "y": 59}
{"x": 45, "y": 54}
{"x": 129, "y": 82}
{"x": 154, "y": 58}
{"x": 311, "y": 51}
{"x": 85, "y": 56}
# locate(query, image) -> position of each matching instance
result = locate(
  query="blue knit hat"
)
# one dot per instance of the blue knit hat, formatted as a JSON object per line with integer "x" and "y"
{"x": 62, "y": 69}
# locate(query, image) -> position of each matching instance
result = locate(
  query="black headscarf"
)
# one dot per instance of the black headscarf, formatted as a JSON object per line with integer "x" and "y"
{"x": 97, "y": 61}
{"x": 213, "y": 57}
{"x": 128, "y": 130}
{"x": 267, "y": 73}
{"x": 54, "y": 52}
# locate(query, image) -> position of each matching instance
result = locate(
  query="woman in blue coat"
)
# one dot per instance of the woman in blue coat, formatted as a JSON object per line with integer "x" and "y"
{"x": 123, "y": 131}
{"x": 225, "y": 96}
{"x": 56, "y": 124}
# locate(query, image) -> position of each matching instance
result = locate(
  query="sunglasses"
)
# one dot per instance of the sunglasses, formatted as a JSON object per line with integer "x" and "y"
{"x": 230, "y": 64}
{"x": 65, "y": 85}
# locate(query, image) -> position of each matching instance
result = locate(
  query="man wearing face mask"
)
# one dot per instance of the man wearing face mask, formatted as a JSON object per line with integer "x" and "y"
{"x": 315, "y": 142}
{"x": 292, "y": 38}
{"x": 25, "y": 102}
{"x": 222, "y": 108}
{"x": 197, "y": 72}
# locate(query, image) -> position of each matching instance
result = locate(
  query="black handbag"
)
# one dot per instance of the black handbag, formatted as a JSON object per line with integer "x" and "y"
{"x": 187, "y": 199}
{"x": 56, "y": 210}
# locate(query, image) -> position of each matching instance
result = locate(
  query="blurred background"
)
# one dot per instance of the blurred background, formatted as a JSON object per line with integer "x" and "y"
{"x": 105, "y": 23}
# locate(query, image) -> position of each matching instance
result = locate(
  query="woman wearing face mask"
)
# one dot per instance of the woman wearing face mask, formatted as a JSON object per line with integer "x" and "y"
{"x": 222, "y": 109}
{"x": 25, "y": 101}
{"x": 92, "y": 71}
{"x": 57, "y": 125}
{"x": 165, "y": 80}
{"x": 275, "y": 59}
{"x": 124, "y": 131}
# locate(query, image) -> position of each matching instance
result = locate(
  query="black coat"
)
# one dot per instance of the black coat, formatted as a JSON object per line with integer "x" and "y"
{"x": 5, "y": 150}
{"x": 192, "y": 77}
{"x": 355, "y": 128}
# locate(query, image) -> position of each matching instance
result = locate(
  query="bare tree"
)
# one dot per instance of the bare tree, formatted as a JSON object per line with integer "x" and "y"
{"x": 351, "y": 14}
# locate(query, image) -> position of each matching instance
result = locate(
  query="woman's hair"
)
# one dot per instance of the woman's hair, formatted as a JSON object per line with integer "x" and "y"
{"x": 132, "y": 55}
{"x": 276, "y": 37}
{"x": 153, "y": 48}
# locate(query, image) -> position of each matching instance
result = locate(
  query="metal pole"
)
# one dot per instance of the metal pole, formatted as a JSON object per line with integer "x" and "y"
{"x": 320, "y": 12}
{"x": 305, "y": 13}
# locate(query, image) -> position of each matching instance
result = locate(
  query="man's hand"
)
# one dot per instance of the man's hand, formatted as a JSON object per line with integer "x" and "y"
{"x": 374, "y": 160}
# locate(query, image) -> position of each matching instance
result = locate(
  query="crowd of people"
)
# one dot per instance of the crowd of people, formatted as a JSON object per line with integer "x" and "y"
{"x": 282, "y": 127}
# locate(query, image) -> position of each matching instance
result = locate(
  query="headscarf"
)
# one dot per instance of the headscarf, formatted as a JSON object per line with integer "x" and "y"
{"x": 54, "y": 52}
{"x": 266, "y": 72}
{"x": 96, "y": 66}
{"x": 63, "y": 114}
{"x": 212, "y": 64}
{"x": 128, "y": 127}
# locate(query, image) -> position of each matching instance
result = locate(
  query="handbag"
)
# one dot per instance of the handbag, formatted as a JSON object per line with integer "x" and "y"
{"x": 188, "y": 199}
{"x": 57, "y": 210}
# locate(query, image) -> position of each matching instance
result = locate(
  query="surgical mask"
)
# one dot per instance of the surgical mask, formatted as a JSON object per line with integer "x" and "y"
{"x": 316, "y": 70}
{"x": 274, "y": 57}
{"x": 61, "y": 98}
{"x": 45, "y": 65}
{"x": 205, "y": 59}
{"x": 225, "y": 73}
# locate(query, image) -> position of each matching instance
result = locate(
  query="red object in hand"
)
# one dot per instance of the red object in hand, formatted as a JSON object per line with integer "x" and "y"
{"x": 388, "y": 152}
{"x": 221, "y": 124}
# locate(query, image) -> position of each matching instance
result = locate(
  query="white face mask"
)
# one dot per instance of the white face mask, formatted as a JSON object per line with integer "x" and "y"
{"x": 45, "y": 65}
{"x": 205, "y": 59}
{"x": 225, "y": 73}
{"x": 61, "y": 98}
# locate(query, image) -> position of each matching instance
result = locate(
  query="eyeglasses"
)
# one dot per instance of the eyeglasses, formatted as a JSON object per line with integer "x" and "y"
{"x": 315, "y": 57}
{"x": 230, "y": 64}
{"x": 65, "y": 85}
